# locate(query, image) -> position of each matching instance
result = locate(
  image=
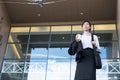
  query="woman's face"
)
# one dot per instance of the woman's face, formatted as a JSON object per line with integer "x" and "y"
{"x": 86, "y": 26}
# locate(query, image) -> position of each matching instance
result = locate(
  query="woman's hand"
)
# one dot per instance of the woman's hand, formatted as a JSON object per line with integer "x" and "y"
{"x": 78, "y": 37}
{"x": 93, "y": 43}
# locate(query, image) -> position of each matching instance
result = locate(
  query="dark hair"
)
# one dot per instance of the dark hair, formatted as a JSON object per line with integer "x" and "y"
{"x": 86, "y": 21}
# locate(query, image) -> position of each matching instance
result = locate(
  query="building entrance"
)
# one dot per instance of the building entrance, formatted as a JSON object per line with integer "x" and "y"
{"x": 41, "y": 53}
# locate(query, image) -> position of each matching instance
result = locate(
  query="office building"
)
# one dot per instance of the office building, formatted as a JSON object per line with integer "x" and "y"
{"x": 35, "y": 37}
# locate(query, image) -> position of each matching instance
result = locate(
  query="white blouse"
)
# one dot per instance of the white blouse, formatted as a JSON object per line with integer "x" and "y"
{"x": 86, "y": 41}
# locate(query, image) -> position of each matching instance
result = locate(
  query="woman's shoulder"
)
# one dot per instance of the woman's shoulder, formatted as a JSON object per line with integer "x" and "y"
{"x": 95, "y": 36}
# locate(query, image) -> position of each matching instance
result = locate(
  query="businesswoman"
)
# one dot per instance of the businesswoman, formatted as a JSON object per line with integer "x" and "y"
{"x": 85, "y": 69}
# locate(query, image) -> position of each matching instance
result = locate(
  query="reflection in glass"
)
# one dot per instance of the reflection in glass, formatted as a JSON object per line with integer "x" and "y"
{"x": 11, "y": 76}
{"x": 104, "y": 27}
{"x": 61, "y": 33}
{"x": 19, "y": 34}
{"x": 36, "y": 61}
{"x": 58, "y": 70}
{"x": 15, "y": 51}
{"x": 76, "y": 29}
{"x": 12, "y": 70}
{"x": 57, "y": 53}
{"x": 42, "y": 53}
{"x": 39, "y": 29}
{"x": 39, "y": 38}
{"x": 59, "y": 29}
{"x": 35, "y": 70}
{"x": 40, "y": 34}
{"x": 37, "y": 53}
{"x": 58, "y": 62}
{"x": 109, "y": 50}
{"x": 61, "y": 37}
{"x": 73, "y": 68}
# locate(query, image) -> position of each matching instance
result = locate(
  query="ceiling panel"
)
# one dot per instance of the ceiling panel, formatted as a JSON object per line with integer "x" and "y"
{"x": 66, "y": 11}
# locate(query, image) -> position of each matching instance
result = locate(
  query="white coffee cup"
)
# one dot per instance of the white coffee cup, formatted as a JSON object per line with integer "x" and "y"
{"x": 78, "y": 36}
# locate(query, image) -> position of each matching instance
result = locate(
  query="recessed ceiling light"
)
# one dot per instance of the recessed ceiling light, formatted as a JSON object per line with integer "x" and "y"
{"x": 81, "y": 13}
{"x": 63, "y": 37}
{"x": 38, "y": 14}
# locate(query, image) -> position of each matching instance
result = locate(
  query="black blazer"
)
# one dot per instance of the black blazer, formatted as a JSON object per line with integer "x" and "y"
{"x": 76, "y": 48}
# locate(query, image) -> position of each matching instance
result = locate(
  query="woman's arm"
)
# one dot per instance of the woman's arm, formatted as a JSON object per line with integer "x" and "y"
{"x": 96, "y": 42}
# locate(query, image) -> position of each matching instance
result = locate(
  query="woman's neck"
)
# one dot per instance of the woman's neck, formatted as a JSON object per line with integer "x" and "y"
{"x": 86, "y": 33}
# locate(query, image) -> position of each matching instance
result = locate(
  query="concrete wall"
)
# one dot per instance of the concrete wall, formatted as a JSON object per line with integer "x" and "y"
{"x": 118, "y": 20}
{"x": 4, "y": 30}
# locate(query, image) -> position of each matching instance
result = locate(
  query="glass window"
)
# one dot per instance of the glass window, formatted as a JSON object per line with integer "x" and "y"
{"x": 12, "y": 70}
{"x": 37, "y": 52}
{"x": 58, "y": 62}
{"x": 109, "y": 50}
{"x": 62, "y": 28}
{"x": 39, "y": 29}
{"x": 19, "y": 34}
{"x": 72, "y": 68}
{"x": 35, "y": 70}
{"x": 60, "y": 37}
{"x": 60, "y": 33}
{"x": 15, "y": 51}
{"x": 39, "y": 34}
{"x": 58, "y": 69}
{"x": 76, "y": 29}
{"x": 58, "y": 51}
{"x": 108, "y": 40}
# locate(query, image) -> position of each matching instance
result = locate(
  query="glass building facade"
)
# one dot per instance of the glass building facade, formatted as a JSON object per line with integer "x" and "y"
{"x": 41, "y": 53}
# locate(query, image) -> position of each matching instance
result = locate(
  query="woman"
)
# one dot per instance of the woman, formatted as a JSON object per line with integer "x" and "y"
{"x": 85, "y": 69}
